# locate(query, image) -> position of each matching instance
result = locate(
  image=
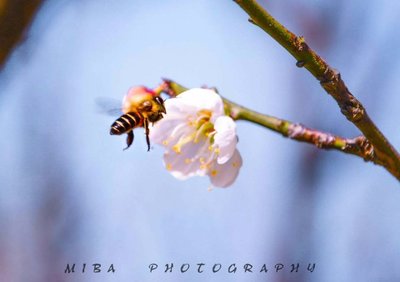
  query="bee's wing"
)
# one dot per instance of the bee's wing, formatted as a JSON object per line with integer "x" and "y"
{"x": 109, "y": 106}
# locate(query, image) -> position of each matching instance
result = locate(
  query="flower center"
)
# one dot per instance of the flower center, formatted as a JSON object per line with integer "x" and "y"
{"x": 203, "y": 128}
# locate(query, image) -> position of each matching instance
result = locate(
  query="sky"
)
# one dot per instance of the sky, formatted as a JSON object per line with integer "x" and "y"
{"x": 70, "y": 194}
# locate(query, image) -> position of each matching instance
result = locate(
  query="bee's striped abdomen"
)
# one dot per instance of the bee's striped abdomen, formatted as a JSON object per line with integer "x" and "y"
{"x": 125, "y": 123}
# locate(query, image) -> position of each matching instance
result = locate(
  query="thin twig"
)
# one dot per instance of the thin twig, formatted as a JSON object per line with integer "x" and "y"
{"x": 330, "y": 80}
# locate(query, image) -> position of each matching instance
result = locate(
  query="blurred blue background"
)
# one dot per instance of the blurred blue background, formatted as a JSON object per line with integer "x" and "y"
{"x": 69, "y": 194}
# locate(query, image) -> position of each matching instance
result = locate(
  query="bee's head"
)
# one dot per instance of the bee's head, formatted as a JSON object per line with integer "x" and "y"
{"x": 160, "y": 103}
{"x": 154, "y": 108}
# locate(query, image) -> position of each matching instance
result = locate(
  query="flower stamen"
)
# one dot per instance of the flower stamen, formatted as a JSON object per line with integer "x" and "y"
{"x": 203, "y": 130}
{"x": 182, "y": 141}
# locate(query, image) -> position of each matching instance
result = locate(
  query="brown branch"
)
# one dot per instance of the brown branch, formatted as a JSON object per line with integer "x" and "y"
{"x": 15, "y": 18}
{"x": 358, "y": 146}
{"x": 330, "y": 80}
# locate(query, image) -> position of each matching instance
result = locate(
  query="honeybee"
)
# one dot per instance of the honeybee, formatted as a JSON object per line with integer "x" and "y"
{"x": 140, "y": 107}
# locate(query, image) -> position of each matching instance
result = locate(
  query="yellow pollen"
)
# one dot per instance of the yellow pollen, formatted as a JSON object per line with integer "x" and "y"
{"x": 202, "y": 160}
{"x": 205, "y": 113}
{"x": 234, "y": 164}
{"x": 214, "y": 172}
{"x": 203, "y": 166}
{"x": 217, "y": 151}
{"x": 210, "y": 148}
{"x": 177, "y": 149}
{"x": 165, "y": 142}
{"x": 169, "y": 166}
{"x": 188, "y": 161}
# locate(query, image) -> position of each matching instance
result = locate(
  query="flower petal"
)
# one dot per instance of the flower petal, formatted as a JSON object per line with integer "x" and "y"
{"x": 223, "y": 175}
{"x": 162, "y": 130}
{"x": 188, "y": 162}
{"x": 203, "y": 99}
{"x": 225, "y": 138}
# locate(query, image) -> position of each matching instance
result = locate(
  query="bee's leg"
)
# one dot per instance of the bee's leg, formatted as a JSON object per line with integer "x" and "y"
{"x": 147, "y": 132}
{"x": 129, "y": 139}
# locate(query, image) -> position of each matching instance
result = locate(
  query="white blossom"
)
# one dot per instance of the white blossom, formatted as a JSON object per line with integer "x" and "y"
{"x": 199, "y": 138}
